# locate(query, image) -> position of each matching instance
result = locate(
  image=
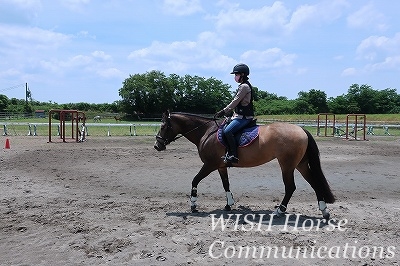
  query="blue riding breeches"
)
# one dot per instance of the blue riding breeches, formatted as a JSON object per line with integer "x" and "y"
{"x": 235, "y": 125}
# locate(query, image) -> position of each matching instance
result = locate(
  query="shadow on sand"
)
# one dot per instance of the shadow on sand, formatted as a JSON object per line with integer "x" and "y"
{"x": 243, "y": 216}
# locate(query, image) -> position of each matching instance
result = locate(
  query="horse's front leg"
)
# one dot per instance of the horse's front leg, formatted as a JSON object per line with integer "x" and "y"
{"x": 223, "y": 172}
{"x": 204, "y": 171}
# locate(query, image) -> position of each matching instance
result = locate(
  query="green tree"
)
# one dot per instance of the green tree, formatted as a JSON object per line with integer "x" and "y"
{"x": 153, "y": 92}
{"x": 363, "y": 97}
{"x": 146, "y": 93}
{"x": 274, "y": 106}
{"x": 387, "y": 101}
{"x": 312, "y": 102}
{"x": 4, "y": 101}
{"x": 338, "y": 105}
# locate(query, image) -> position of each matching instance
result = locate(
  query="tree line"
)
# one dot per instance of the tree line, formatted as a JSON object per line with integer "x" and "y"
{"x": 150, "y": 93}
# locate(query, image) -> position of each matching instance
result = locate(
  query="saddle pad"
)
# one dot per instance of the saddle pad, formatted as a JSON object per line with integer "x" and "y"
{"x": 243, "y": 138}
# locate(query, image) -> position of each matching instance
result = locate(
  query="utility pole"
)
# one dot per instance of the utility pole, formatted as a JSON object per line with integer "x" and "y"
{"x": 27, "y": 93}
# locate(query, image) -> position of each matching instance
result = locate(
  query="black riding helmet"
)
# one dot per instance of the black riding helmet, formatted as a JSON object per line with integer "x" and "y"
{"x": 241, "y": 68}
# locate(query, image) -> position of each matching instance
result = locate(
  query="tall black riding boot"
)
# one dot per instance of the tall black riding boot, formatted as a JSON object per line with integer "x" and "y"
{"x": 232, "y": 155}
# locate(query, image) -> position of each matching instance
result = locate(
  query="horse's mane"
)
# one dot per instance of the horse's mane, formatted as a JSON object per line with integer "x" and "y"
{"x": 194, "y": 115}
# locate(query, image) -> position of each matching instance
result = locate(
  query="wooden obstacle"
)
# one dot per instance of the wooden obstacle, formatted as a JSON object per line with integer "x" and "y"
{"x": 75, "y": 116}
{"x": 360, "y": 124}
{"x": 328, "y": 120}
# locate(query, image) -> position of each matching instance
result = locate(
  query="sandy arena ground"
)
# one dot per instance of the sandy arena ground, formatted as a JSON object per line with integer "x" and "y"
{"x": 117, "y": 201}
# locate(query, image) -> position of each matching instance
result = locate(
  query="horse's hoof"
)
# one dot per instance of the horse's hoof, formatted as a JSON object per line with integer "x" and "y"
{"x": 228, "y": 208}
{"x": 193, "y": 209}
{"x": 278, "y": 213}
{"x": 326, "y": 215}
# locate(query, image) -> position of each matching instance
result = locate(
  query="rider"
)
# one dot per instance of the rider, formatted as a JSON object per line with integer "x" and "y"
{"x": 242, "y": 105}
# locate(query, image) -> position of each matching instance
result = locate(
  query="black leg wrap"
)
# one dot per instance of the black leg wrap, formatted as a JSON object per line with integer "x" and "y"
{"x": 193, "y": 209}
{"x": 193, "y": 193}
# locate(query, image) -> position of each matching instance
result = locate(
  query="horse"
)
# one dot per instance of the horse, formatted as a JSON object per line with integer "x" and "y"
{"x": 293, "y": 147}
{"x": 117, "y": 118}
{"x": 97, "y": 118}
{"x": 79, "y": 118}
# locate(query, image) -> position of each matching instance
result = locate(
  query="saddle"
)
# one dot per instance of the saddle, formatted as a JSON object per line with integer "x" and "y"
{"x": 244, "y": 137}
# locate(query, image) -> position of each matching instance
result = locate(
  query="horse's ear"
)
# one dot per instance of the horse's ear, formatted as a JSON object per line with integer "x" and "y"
{"x": 166, "y": 114}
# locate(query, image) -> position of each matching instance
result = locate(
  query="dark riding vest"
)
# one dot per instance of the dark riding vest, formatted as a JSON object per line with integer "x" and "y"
{"x": 247, "y": 110}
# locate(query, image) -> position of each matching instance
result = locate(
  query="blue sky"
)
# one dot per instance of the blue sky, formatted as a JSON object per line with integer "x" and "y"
{"x": 82, "y": 50}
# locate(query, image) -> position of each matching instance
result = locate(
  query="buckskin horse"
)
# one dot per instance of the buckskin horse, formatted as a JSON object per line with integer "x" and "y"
{"x": 293, "y": 147}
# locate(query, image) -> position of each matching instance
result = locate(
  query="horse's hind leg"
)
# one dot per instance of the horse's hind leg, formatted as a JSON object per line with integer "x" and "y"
{"x": 306, "y": 173}
{"x": 223, "y": 172}
{"x": 290, "y": 187}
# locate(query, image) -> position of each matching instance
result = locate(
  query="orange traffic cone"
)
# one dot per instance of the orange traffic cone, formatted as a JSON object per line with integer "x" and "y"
{"x": 7, "y": 146}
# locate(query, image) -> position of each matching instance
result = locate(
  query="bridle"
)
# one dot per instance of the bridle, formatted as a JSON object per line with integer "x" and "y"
{"x": 165, "y": 141}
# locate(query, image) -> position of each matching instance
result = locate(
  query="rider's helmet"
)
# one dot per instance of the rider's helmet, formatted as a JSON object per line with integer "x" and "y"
{"x": 241, "y": 68}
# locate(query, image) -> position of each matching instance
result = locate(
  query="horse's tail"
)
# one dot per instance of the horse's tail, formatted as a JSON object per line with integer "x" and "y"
{"x": 317, "y": 175}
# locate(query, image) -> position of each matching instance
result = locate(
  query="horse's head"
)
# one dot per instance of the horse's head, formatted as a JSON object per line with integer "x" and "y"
{"x": 166, "y": 133}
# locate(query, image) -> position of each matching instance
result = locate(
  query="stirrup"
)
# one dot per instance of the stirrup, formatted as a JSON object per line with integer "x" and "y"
{"x": 230, "y": 158}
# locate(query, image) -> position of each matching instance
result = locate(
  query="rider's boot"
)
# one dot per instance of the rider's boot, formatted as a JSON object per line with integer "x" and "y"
{"x": 232, "y": 154}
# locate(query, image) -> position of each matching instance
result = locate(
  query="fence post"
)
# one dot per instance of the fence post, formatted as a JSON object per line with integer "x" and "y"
{"x": 29, "y": 130}
{"x": 108, "y": 133}
{"x": 386, "y": 128}
{"x": 83, "y": 134}
{"x": 370, "y": 130}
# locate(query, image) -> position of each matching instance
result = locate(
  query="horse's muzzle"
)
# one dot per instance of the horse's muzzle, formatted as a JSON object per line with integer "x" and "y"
{"x": 159, "y": 146}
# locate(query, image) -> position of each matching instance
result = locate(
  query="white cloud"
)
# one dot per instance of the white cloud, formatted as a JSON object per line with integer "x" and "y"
{"x": 349, "y": 71}
{"x": 85, "y": 34}
{"x": 378, "y": 47}
{"x": 182, "y": 7}
{"x": 381, "y": 52}
{"x": 76, "y": 5}
{"x": 233, "y": 21}
{"x": 314, "y": 15}
{"x": 11, "y": 72}
{"x": 276, "y": 20}
{"x": 101, "y": 55}
{"x": 301, "y": 15}
{"x": 62, "y": 66}
{"x": 183, "y": 56}
{"x": 366, "y": 18}
{"x": 210, "y": 39}
{"x": 389, "y": 63}
{"x": 111, "y": 73}
{"x": 23, "y": 4}
{"x": 17, "y": 36}
{"x": 78, "y": 60}
{"x": 270, "y": 58}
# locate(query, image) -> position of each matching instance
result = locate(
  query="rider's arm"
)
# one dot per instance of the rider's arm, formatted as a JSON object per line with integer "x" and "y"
{"x": 241, "y": 94}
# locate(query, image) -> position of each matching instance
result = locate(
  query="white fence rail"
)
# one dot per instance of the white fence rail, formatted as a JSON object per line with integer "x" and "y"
{"x": 32, "y": 129}
{"x": 133, "y": 129}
